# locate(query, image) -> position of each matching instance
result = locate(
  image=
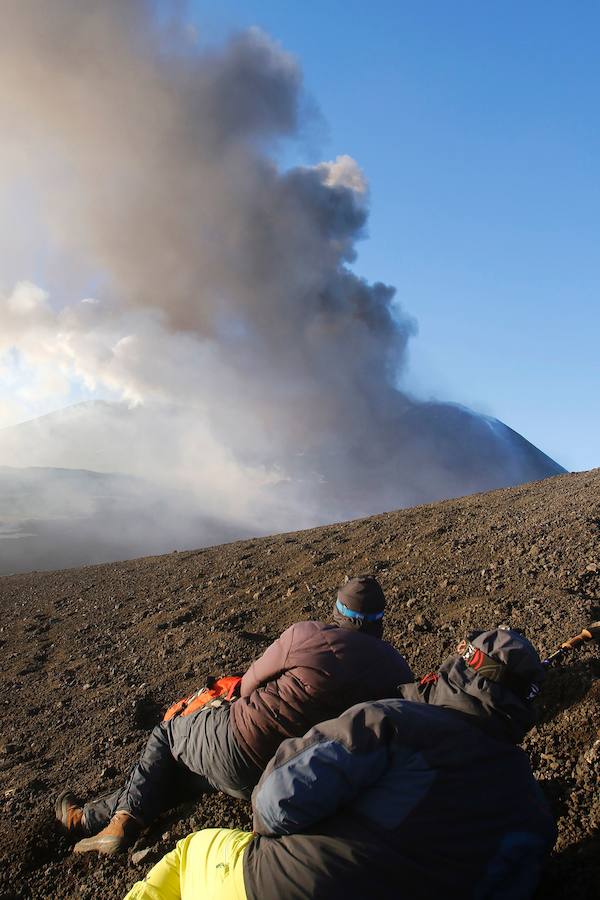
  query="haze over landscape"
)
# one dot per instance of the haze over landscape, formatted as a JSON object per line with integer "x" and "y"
{"x": 189, "y": 308}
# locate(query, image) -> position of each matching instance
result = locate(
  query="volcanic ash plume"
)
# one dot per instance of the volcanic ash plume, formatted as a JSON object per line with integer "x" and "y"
{"x": 258, "y": 372}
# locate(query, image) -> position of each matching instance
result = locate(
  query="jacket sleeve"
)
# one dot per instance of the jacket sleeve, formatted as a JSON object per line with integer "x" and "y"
{"x": 398, "y": 668}
{"x": 310, "y": 778}
{"x": 270, "y": 665}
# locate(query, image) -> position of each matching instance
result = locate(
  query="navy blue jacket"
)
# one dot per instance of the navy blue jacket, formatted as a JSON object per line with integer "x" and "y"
{"x": 401, "y": 799}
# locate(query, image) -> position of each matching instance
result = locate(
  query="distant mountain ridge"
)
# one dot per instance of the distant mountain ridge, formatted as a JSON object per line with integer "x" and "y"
{"x": 100, "y": 481}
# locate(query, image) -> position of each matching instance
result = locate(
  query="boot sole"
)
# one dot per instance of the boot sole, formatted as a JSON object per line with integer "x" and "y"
{"x": 105, "y": 845}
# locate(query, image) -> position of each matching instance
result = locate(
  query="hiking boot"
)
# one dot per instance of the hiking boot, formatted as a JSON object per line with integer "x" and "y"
{"x": 70, "y": 814}
{"x": 121, "y": 831}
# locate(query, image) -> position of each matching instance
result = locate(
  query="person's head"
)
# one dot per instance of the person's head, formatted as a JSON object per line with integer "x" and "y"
{"x": 495, "y": 676}
{"x": 360, "y": 604}
{"x": 505, "y": 657}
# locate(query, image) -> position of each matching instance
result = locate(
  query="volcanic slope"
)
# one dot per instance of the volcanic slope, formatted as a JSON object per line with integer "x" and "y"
{"x": 92, "y": 656}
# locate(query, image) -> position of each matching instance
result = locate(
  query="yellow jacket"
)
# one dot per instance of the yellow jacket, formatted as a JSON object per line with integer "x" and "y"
{"x": 206, "y": 865}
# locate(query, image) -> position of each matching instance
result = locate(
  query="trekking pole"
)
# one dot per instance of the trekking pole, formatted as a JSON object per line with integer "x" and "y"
{"x": 589, "y": 633}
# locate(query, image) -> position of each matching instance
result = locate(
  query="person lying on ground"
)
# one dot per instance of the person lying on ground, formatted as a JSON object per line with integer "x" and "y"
{"x": 422, "y": 796}
{"x": 313, "y": 672}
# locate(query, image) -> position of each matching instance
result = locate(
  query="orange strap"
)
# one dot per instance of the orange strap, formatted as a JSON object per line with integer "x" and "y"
{"x": 221, "y": 689}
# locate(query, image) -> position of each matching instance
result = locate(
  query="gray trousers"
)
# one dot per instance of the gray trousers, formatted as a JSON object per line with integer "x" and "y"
{"x": 184, "y": 758}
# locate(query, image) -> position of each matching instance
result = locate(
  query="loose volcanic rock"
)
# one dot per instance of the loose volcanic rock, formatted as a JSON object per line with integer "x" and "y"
{"x": 93, "y": 656}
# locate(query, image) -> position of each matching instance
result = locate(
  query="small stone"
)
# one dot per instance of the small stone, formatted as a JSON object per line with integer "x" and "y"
{"x": 593, "y": 754}
{"x": 36, "y": 785}
{"x": 422, "y": 623}
{"x": 140, "y": 855}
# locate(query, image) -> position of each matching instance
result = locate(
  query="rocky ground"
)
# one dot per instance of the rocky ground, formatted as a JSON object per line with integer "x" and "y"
{"x": 92, "y": 656}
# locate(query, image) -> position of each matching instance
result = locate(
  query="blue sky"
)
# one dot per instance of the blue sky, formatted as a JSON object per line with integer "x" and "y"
{"x": 477, "y": 127}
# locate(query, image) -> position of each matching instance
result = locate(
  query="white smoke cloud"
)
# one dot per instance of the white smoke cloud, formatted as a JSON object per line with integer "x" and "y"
{"x": 257, "y": 371}
{"x": 133, "y": 358}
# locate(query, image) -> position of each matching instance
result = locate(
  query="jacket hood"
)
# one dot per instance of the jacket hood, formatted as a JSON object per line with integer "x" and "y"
{"x": 497, "y": 708}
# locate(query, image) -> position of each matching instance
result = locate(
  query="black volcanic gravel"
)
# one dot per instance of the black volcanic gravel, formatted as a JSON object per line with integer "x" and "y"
{"x": 92, "y": 656}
